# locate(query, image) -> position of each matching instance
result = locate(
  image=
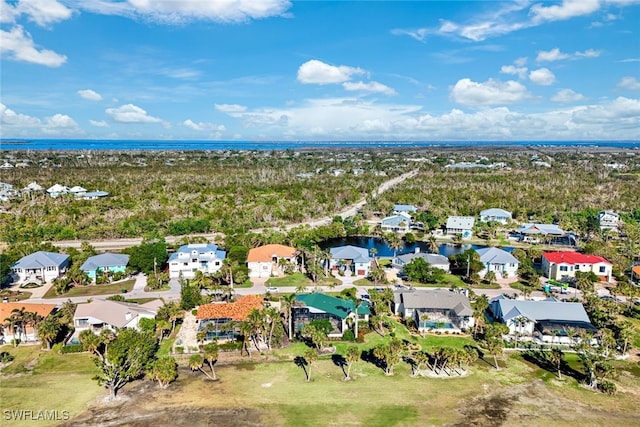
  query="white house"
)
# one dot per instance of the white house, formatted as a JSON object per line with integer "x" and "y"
{"x": 609, "y": 220}
{"x": 549, "y": 321}
{"x": 267, "y": 260}
{"x": 57, "y": 190}
{"x": 564, "y": 265}
{"x": 105, "y": 314}
{"x": 77, "y": 190}
{"x": 40, "y": 267}
{"x": 398, "y": 223}
{"x": 409, "y": 209}
{"x": 351, "y": 260}
{"x": 434, "y": 260}
{"x": 462, "y": 225}
{"x": 495, "y": 214}
{"x": 501, "y": 262}
{"x": 188, "y": 259}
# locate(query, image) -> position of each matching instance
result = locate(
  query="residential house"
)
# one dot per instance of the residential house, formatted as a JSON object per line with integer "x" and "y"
{"x": 635, "y": 272}
{"x": 204, "y": 257}
{"x": 57, "y": 190}
{"x": 563, "y": 266}
{"x": 398, "y": 223}
{"x": 609, "y": 220}
{"x": 92, "y": 195}
{"x": 549, "y": 321}
{"x": 435, "y": 309}
{"x": 217, "y": 318}
{"x": 102, "y": 314}
{"x": 33, "y": 187}
{"x": 501, "y": 262}
{"x": 309, "y": 307}
{"x": 435, "y": 260}
{"x": 270, "y": 260}
{"x": 40, "y": 267}
{"x": 7, "y": 192}
{"x": 106, "y": 262}
{"x": 460, "y": 225}
{"x": 77, "y": 190}
{"x": 495, "y": 215}
{"x": 408, "y": 209}
{"x": 351, "y": 260}
{"x": 531, "y": 232}
{"x": 13, "y": 329}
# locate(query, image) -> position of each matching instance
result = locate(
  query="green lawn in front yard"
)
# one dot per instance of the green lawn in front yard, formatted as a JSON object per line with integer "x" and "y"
{"x": 15, "y": 295}
{"x": 296, "y": 280}
{"x": 89, "y": 290}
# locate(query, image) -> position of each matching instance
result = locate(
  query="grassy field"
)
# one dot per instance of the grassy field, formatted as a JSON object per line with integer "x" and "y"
{"x": 277, "y": 393}
{"x": 296, "y": 280}
{"x": 89, "y": 290}
{"x": 14, "y": 295}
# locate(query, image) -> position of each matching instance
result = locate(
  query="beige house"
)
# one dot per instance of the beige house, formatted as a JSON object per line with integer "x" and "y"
{"x": 270, "y": 260}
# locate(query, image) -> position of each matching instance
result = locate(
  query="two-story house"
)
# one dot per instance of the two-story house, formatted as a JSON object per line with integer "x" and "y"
{"x": 204, "y": 257}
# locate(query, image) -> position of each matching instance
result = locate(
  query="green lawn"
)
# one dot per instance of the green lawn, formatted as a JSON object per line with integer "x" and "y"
{"x": 41, "y": 380}
{"x": 298, "y": 279}
{"x": 89, "y": 290}
{"x": 15, "y": 295}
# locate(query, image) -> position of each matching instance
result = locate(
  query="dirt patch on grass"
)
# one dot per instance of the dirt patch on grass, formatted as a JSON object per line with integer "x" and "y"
{"x": 141, "y": 405}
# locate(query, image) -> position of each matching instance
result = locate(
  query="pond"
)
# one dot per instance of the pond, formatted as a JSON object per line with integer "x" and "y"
{"x": 384, "y": 250}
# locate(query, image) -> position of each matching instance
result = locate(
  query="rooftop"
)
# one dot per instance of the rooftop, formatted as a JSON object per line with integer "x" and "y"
{"x": 267, "y": 252}
{"x": 569, "y": 257}
{"x": 238, "y": 310}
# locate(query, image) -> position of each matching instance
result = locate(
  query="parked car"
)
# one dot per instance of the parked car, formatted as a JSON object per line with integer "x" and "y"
{"x": 366, "y": 296}
{"x": 272, "y": 289}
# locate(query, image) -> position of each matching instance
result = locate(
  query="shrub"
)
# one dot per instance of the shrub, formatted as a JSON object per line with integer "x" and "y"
{"x": 6, "y": 357}
{"x": 179, "y": 350}
{"x": 72, "y": 348}
{"x": 230, "y": 346}
{"x": 348, "y": 335}
{"x": 116, "y": 298}
{"x": 607, "y": 387}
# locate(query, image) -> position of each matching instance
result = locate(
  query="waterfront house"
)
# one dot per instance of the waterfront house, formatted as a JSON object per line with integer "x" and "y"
{"x": 563, "y": 266}
{"x": 204, "y": 257}
{"x": 495, "y": 215}
{"x": 501, "y": 262}
{"x": 549, "y": 321}
{"x": 460, "y": 225}
{"x": 309, "y": 307}
{"x": 219, "y": 319}
{"x": 350, "y": 260}
{"x": 106, "y": 262}
{"x": 40, "y": 267}
{"x": 398, "y": 223}
{"x": 434, "y": 260}
{"x": 531, "y": 231}
{"x": 435, "y": 309}
{"x": 270, "y": 260}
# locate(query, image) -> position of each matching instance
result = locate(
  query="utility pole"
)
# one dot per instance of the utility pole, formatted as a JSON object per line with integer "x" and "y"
{"x": 468, "y": 265}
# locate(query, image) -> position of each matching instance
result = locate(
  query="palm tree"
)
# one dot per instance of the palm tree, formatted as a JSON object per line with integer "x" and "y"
{"x": 555, "y": 356}
{"x": 394, "y": 241}
{"x": 48, "y": 330}
{"x": 352, "y": 355}
{"x": 20, "y": 316}
{"x": 310, "y": 356}
{"x": 432, "y": 244}
{"x": 286, "y": 304}
{"x": 196, "y": 363}
{"x": 424, "y": 318}
{"x": 211, "y": 355}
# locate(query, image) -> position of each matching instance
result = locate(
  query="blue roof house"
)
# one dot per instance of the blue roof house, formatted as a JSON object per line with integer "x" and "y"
{"x": 501, "y": 262}
{"x": 399, "y": 223}
{"x": 351, "y": 260}
{"x": 409, "y": 209}
{"x": 106, "y": 262}
{"x": 204, "y": 257}
{"x": 497, "y": 215}
{"x": 40, "y": 267}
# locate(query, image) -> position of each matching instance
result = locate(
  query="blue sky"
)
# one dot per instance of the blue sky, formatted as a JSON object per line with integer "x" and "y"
{"x": 332, "y": 70}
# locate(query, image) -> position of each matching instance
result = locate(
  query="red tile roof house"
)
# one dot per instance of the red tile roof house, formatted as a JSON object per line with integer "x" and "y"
{"x": 564, "y": 265}
{"x": 264, "y": 261}
{"x": 220, "y": 313}
{"x": 9, "y": 309}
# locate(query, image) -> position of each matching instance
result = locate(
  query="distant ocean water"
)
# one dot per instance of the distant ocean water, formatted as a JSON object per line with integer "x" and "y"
{"x": 187, "y": 145}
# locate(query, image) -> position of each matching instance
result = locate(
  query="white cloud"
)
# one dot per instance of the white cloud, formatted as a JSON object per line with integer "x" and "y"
{"x": 44, "y": 12}
{"x": 373, "y": 87}
{"x": 317, "y": 72}
{"x": 521, "y": 72}
{"x": 19, "y": 46}
{"x": 420, "y": 34}
{"x": 621, "y": 110}
{"x": 60, "y": 121}
{"x": 130, "y": 113}
{"x": 551, "y": 55}
{"x": 230, "y": 108}
{"x": 8, "y": 117}
{"x": 89, "y": 94}
{"x": 202, "y": 126}
{"x": 568, "y": 9}
{"x": 98, "y": 124}
{"x": 556, "y": 55}
{"x": 566, "y": 96}
{"x": 491, "y": 92}
{"x": 628, "y": 82}
{"x": 180, "y": 73}
{"x": 630, "y": 60}
{"x": 542, "y": 76}
{"x": 183, "y": 11}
